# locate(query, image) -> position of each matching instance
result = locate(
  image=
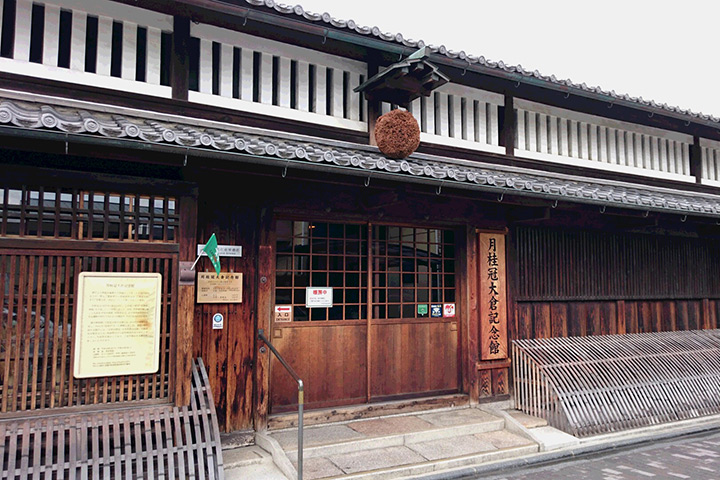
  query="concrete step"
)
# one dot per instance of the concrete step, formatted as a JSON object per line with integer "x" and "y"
{"x": 250, "y": 462}
{"x": 411, "y": 460}
{"x": 386, "y": 432}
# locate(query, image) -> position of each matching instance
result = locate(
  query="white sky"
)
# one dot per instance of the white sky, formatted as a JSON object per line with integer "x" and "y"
{"x": 662, "y": 50}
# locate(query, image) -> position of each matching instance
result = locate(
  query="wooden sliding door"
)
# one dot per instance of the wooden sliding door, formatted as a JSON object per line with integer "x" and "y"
{"x": 391, "y": 330}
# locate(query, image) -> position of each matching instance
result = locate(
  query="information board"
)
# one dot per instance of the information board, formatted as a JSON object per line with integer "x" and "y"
{"x": 223, "y": 288}
{"x": 117, "y": 330}
{"x": 493, "y": 297}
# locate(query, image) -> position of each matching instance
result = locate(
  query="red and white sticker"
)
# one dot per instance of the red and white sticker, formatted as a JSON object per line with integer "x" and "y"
{"x": 448, "y": 310}
{"x": 283, "y": 313}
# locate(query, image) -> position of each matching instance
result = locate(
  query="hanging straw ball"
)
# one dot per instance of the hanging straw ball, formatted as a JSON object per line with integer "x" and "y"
{"x": 397, "y": 134}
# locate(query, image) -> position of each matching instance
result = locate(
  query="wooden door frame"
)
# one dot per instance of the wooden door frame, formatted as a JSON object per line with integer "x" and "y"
{"x": 466, "y": 286}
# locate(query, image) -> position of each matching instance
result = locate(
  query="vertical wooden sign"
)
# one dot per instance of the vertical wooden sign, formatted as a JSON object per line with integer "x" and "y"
{"x": 493, "y": 297}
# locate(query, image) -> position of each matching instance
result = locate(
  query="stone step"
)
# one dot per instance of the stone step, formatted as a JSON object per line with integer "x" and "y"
{"x": 408, "y": 461}
{"x": 527, "y": 421}
{"x": 242, "y": 463}
{"x": 386, "y": 432}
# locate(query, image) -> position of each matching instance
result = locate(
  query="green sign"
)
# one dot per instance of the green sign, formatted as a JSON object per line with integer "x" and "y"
{"x": 422, "y": 309}
{"x": 211, "y": 249}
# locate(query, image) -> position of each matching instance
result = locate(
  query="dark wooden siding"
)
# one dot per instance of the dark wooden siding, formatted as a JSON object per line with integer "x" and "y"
{"x": 556, "y": 264}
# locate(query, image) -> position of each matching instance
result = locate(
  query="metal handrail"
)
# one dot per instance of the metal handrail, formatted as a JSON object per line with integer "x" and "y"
{"x": 301, "y": 399}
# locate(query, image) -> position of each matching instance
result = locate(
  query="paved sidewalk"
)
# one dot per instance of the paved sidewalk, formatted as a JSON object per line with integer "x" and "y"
{"x": 695, "y": 457}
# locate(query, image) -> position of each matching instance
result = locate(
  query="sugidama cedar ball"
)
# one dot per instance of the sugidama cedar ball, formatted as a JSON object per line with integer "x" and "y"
{"x": 397, "y": 134}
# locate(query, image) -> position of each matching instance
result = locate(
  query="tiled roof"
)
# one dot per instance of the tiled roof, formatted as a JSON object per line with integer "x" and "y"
{"x": 281, "y": 149}
{"x": 398, "y": 38}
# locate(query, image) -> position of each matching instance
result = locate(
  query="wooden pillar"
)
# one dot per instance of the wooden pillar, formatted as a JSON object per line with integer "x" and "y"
{"x": 471, "y": 316}
{"x": 696, "y": 160}
{"x": 186, "y": 302}
{"x": 180, "y": 73}
{"x": 373, "y": 106}
{"x": 264, "y": 282}
{"x": 509, "y": 126}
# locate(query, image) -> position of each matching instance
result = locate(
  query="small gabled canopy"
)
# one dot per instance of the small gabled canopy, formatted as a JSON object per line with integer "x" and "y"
{"x": 404, "y": 81}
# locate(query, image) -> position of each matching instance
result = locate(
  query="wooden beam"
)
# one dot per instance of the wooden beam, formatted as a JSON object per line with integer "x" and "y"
{"x": 471, "y": 316}
{"x": 507, "y": 134}
{"x": 186, "y": 304}
{"x": 180, "y": 63}
{"x": 265, "y": 285}
{"x": 696, "y": 159}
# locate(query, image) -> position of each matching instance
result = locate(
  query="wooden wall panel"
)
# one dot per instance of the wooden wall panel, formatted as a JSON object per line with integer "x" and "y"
{"x": 408, "y": 358}
{"x": 343, "y": 352}
{"x": 562, "y": 319}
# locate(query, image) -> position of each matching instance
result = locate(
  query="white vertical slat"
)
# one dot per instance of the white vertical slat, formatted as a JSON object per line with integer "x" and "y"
{"x": 320, "y": 90}
{"x": 246, "y": 74}
{"x": 594, "y": 147}
{"x": 612, "y": 146}
{"x": 531, "y": 131}
{"x": 542, "y": 125}
{"x": 685, "y": 159}
{"x": 639, "y": 160}
{"x": 676, "y": 156}
{"x": 456, "y": 120}
{"x": 469, "y": 133}
{"x": 663, "y": 156}
{"x": 266, "y": 78}
{"x": 430, "y": 114}
{"x": 629, "y": 149}
{"x": 337, "y": 93}
{"x": 442, "y": 114}
{"x": 554, "y": 141}
{"x": 657, "y": 161}
{"x": 602, "y": 144}
{"x": 671, "y": 156}
{"x": 415, "y": 110}
{"x": 481, "y": 116}
{"x": 78, "y": 40}
{"x": 564, "y": 138}
{"x": 385, "y": 108}
{"x": 206, "y": 66}
{"x": 574, "y": 140}
{"x": 494, "y": 135}
{"x": 23, "y": 20}
{"x": 651, "y": 152}
{"x": 355, "y": 98}
{"x": 104, "y": 50}
{"x": 714, "y": 163}
{"x": 284, "y": 83}
{"x": 704, "y": 162}
{"x": 584, "y": 147}
{"x": 154, "y": 44}
{"x": 621, "y": 147}
{"x": 226, "y": 70}
{"x": 51, "y": 34}
{"x": 129, "y": 50}
{"x": 647, "y": 152}
{"x": 303, "y": 86}
{"x": 521, "y": 140}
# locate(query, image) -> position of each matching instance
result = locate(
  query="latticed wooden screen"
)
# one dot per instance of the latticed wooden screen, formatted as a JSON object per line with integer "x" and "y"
{"x": 40, "y": 260}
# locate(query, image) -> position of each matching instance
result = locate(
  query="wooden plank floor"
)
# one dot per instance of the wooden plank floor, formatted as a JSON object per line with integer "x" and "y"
{"x": 154, "y": 442}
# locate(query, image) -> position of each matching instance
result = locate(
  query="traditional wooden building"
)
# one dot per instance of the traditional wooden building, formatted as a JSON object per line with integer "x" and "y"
{"x": 534, "y": 207}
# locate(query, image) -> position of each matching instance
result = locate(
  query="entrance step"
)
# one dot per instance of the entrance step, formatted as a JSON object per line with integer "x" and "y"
{"x": 403, "y": 446}
{"x": 372, "y": 410}
{"x": 250, "y": 462}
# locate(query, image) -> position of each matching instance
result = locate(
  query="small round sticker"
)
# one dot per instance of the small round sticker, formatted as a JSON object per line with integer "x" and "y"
{"x": 217, "y": 321}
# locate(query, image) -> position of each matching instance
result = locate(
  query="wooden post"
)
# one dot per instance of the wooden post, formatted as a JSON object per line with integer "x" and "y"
{"x": 509, "y": 127}
{"x": 696, "y": 160}
{"x": 471, "y": 315}
{"x": 186, "y": 303}
{"x": 180, "y": 76}
{"x": 373, "y": 106}
{"x": 265, "y": 282}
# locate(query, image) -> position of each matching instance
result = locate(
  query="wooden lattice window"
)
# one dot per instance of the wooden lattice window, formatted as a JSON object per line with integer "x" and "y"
{"x": 71, "y": 213}
{"x": 37, "y": 295}
{"x": 412, "y": 269}
{"x": 318, "y": 254}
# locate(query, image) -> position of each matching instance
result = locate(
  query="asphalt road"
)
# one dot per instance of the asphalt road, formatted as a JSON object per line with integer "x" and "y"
{"x": 695, "y": 457}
